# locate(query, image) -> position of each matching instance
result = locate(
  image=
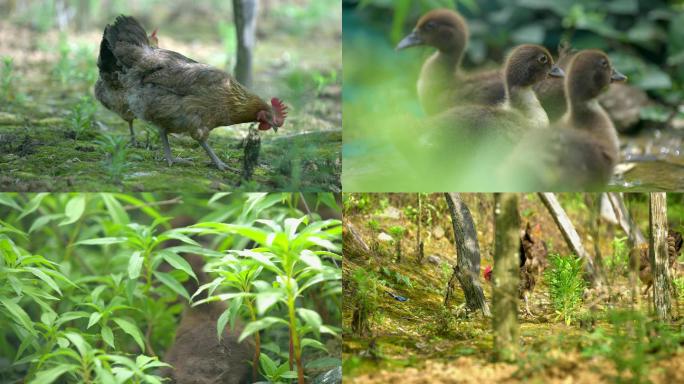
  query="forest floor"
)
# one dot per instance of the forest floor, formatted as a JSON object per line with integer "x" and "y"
{"x": 421, "y": 341}
{"x": 46, "y": 145}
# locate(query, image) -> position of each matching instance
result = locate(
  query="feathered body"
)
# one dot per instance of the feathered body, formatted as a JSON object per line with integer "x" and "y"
{"x": 640, "y": 252}
{"x": 180, "y": 95}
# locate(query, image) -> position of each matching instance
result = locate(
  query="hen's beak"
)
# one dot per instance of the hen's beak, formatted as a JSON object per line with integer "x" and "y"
{"x": 617, "y": 76}
{"x": 274, "y": 126}
{"x": 410, "y": 41}
{"x": 556, "y": 71}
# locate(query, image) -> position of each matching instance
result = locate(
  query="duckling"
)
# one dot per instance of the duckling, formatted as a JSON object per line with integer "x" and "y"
{"x": 622, "y": 102}
{"x": 519, "y": 112}
{"x": 582, "y": 148}
{"x": 441, "y": 83}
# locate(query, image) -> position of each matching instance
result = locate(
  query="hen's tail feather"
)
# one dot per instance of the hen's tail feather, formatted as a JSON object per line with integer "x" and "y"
{"x": 126, "y": 29}
{"x": 106, "y": 61}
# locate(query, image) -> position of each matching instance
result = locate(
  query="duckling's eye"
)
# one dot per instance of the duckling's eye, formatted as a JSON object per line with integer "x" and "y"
{"x": 543, "y": 59}
{"x": 604, "y": 63}
{"x": 430, "y": 25}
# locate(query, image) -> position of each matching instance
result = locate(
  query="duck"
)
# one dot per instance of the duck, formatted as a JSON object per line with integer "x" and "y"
{"x": 441, "y": 84}
{"x": 581, "y": 150}
{"x": 519, "y": 111}
{"x": 621, "y": 101}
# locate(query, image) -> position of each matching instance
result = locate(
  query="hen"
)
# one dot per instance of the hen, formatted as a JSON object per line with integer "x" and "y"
{"x": 533, "y": 253}
{"x": 674, "y": 247}
{"x": 108, "y": 88}
{"x": 180, "y": 95}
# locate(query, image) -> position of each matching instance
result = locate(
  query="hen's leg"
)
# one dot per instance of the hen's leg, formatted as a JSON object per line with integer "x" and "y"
{"x": 219, "y": 164}
{"x": 167, "y": 150}
{"x": 130, "y": 127}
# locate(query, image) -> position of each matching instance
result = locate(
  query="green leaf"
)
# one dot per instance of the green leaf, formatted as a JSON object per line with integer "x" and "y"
{"x": 172, "y": 283}
{"x": 116, "y": 211}
{"x": 217, "y": 196}
{"x": 42, "y": 221}
{"x": 267, "y": 364}
{"x": 18, "y": 314}
{"x": 78, "y": 341}
{"x": 74, "y": 209}
{"x": 221, "y": 323}
{"x": 102, "y": 241}
{"x": 135, "y": 265}
{"x": 311, "y": 259}
{"x": 256, "y": 326}
{"x": 47, "y": 279}
{"x": 311, "y": 318}
{"x": 33, "y": 204}
{"x": 265, "y": 300}
{"x": 6, "y": 199}
{"x": 94, "y": 318}
{"x": 108, "y": 336}
{"x": 130, "y": 329}
{"x": 49, "y": 375}
{"x": 178, "y": 262}
{"x": 306, "y": 342}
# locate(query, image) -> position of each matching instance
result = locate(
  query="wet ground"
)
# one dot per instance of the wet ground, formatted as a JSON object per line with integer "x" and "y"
{"x": 54, "y": 136}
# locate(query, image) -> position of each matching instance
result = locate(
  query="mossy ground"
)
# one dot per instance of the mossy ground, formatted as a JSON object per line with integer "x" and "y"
{"x": 420, "y": 341}
{"x": 41, "y": 151}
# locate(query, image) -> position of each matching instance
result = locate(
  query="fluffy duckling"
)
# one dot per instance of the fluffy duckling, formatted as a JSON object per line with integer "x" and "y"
{"x": 622, "y": 102}
{"x": 581, "y": 150}
{"x": 441, "y": 82}
{"x": 519, "y": 112}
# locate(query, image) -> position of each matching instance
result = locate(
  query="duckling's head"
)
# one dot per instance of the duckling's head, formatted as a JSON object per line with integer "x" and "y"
{"x": 443, "y": 29}
{"x": 529, "y": 64}
{"x": 589, "y": 75}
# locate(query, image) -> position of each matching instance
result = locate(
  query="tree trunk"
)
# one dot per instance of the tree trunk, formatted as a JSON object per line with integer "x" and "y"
{"x": 625, "y": 220}
{"x": 353, "y": 242}
{"x": 657, "y": 217}
{"x": 506, "y": 278}
{"x": 570, "y": 235}
{"x": 467, "y": 269}
{"x": 419, "y": 242}
{"x": 245, "y": 14}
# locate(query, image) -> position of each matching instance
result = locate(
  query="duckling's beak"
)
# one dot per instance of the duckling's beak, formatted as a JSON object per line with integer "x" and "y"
{"x": 410, "y": 41}
{"x": 617, "y": 76}
{"x": 556, "y": 71}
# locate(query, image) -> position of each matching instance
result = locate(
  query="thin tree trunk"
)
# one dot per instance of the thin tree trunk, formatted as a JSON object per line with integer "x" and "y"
{"x": 467, "y": 269}
{"x": 570, "y": 235}
{"x": 506, "y": 278}
{"x": 353, "y": 242}
{"x": 419, "y": 243}
{"x": 657, "y": 217}
{"x": 245, "y": 15}
{"x": 636, "y": 237}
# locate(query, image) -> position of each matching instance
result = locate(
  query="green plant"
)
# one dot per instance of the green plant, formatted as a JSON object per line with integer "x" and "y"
{"x": 566, "y": 285}
{"x": 397, "y": 233}
{"x": 365, "y": 301}
{"x": 82, "y": 116}
{"x": 117, "y": 153}
{"x": 396, "y": 277}
{"x": 7, "y": 92}
{"x": 617, "y": 261}
{"x": 274, "y": 371}
{"x": 294, "y": 256}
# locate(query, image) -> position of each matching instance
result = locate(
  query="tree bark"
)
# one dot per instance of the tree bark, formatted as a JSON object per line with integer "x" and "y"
{"x": 245, "y": 14}
{"x": 467, "y": 269}
{"x": 657, "y": 217}
{"x": 570, "y": 235}
{"x": 506, "y": 277}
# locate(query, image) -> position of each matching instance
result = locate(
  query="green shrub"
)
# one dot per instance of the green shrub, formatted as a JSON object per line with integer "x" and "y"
{"x": 365, "y": 301}
{"x": 566, "y": 285}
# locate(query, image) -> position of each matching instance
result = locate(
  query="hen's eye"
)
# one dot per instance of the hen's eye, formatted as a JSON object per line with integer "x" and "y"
{"x": 543, "y": 59}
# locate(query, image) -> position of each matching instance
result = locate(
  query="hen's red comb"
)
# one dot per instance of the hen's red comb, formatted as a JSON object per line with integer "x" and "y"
{"x": 154, "y": 33}
{"x": 280, "y": 110}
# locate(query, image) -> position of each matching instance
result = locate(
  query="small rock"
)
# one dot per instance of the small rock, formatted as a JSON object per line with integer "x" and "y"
{"x": 391, "y": 213}
{"x": 438, "y": 232}
{"x": 436, "y": 260}
{"x": 384, "y": 237}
